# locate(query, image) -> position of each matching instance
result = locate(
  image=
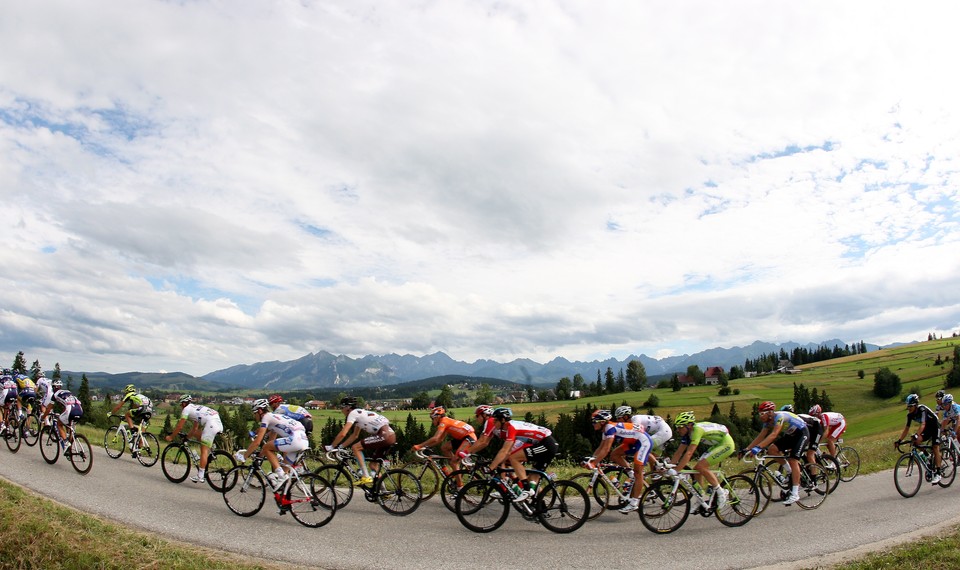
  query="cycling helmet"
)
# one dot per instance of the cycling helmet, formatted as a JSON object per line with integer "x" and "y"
{"x": 684, "y": 419}
{"x": 483, "y": 410}
{"x": 940, "y": 394}
{"x": 185, "y": 399}
{"x": 787, "y": 408}
{"x": 767, "y": 407}
{"x": 348, "y": 402}
{"x": 947, "y": 399}
{"x": 261, "y": 404}
{"x": 816, "y": 410}
{"x": 623, "y": 411}
{"x": 57, "y": 384}
{"x": 39, "y": 374}
{"x": 912, "y": 400}
{"x": 503, "y": 414}
{"x": 601, "y": 416}
{"x": 438, "y": 411}
{"x": 275, "y": 399}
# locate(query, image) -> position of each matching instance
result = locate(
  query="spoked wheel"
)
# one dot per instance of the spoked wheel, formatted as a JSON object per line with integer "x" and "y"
{"x": 599, "y": 492}
{"x": 743, "y": 501}
{"x": 244, "y": 491}
{"x": 49, "y": 444}
{"x": 849, "y": 463}
{"x": 149, "y": 451}
{"x": 948, "y": 464}
{"x": 114, "y": 442}
{"x": 430, "y": 479}
{"x": 832, "y": 467}
{"x": 341, "y": 483}
{"x": 30, "y": 430}
{"x": 451, "y": 487}
{"x": 480, "y": 507}
{"x": 81, "y": 455}
{"x": 562, "y": 506}
{"x": 305, "y": 500}
{"x": 219, "y": 463}
{"x": 398, "y": 492}
{"x": 907, "y": 475}
{"x": 814, "y": 486}
{"x": 175, "y": 463}
{"x": 11, "y": 435}
{"x": 662, "y": 511}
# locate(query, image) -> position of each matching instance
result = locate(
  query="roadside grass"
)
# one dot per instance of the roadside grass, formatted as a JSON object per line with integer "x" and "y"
{"x": 924, "y": 554}
{"x": 39, "y": 533}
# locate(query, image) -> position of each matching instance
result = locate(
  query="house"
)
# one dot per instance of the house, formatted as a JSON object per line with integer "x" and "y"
{"x": 785, "y": 366}
{"x": 575, "y": 395}
{"x": 712, "y": 375}
{"x": 686, "y": 380}
{"x": 315, "y": 405}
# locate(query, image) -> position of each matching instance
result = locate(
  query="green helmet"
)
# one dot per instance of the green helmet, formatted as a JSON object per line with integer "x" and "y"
{"x": 130, "y": 389}
{"x": 684, "y": 419}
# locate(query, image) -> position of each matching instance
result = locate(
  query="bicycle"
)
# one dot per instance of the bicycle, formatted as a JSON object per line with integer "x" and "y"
{"x": 608, "y": 483}
{"x": 179, "y": 457}
{"x": 30, "y": 423}
{"x": 814, "y": 482}
{"x": 830, "y": 464}
{"x": 144, "y": 446}
{"x": 455, "y": 481}
{"x": 432, "y": 472}
{"x": 75, "y": 446}
{"x": 12, "y": 431}
{"x": 397, "y": 491}
{"x": 666, "y": 504}
{"x": 849, "y": 461}
{"x": 916, "y": 466}
{"x": 308, "y": 497}
{"x": 950, "y": 447}
{"x": 483, "y": 504}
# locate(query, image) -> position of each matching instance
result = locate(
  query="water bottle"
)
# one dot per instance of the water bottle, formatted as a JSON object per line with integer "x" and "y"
{"x": 698, "y": 488}
{"x": 552, "y": 476}
{"x": 516, "y": 489}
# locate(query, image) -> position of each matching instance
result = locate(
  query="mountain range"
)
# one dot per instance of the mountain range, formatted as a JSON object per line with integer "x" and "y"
{"x": 325, "y": 370}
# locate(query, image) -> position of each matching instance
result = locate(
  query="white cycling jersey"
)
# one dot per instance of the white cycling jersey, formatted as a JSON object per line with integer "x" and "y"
{"x": 656, "y": 427}
{"x": 370, "y": 422}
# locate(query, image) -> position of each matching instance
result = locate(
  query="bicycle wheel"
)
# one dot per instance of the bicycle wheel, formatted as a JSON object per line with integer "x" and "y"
{"x": 11, "y": 435}
{"x": 621, "y": 483}
{"x": 430, "y": 479}
{"x": 948, "y": 465}
{"x": 480, "y": 507}
{"x": 244, "y": 491}
{"x": 743, "y": 501}
{"x": 219, "y": 463}
{"x": 30, "y": 430}
{"x": 849, "y": 463}
{"x": 907, "y": 475}
{"x": 81, "y": 455}
{"x": 662, "y": 511}
{"x": 398, "y": 492}
{"x": 49, "y": 444}
{"x": 175, "y": 462}
{"x": 149, "y": 450}
{"x": 306, "y": 504}
{"x": 114, "y": 442}
{"x": 562, "y": 506}
{"x": 814, "y": 486}
{"x": 765, "y": 486}
{"x": 832, "y": 466}
{"x": 600, "y": 492}
{"x": 340, "y": 481}
{"x": 451, "y": 487}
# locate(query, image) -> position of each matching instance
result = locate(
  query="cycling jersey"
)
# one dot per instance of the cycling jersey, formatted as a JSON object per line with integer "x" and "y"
{"x": 458, "y": 430}
{"x": 931, "y": 424}
{"x": 633, "y": 439}
{"x": 717, "y": 436}
{"x": 208, "y": 418}
{"x": 45, "y": 392}
{"x": 834, "y": 424}
{"x": 789, "y": 422}
{"x": 519, "y": 431}
{"x": 656, "y": 427}
{"x": 370, "y": 422}
{"x": 951, "y": 414}
{"x": 293, "y": 412}
{"x": 814, "y": 429}
{"x": 138, "y": 400}
{"x": 280, "y": 425}
{"x": 24, "y": 382}
{"x": 72, "y": 411}
{"x": 8, "y": 392}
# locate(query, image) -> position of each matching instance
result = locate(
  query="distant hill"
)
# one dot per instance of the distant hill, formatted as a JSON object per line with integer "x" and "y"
{"x": 163, "y": 382}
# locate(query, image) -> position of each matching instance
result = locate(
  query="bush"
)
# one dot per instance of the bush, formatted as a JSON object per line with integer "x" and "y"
{"x": 886, "y": 383}
{"x": 652, "y": 402}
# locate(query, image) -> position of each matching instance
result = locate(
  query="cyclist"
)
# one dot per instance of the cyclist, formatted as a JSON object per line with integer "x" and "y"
{"x": 521, "y": 441}
{"x": 951, "y": 411}
{"x": 833, "y": 423}
{"x": 72, "y": 412}
{"x": 8, "y": 399}
{"x": 292, "y": 411}
{"x": 45, "y": 396}
{"x": 27, "y": 390}
{"x": 206, "y": 424}
{"x": 692, "y": 434}
{"x": 629, "y": 440}
{"x": 462, "y": 436}
{"x": 928, "y": 430}
{"x": 814, "y": 430}
{"x": 939, "y": 397}
{"x": 141, "y": 408}
{"x": 381, "y": 437}
{"x": 287, "y": 436}
{"x": 787, "y": 433}
{"x": 655, "y": 426}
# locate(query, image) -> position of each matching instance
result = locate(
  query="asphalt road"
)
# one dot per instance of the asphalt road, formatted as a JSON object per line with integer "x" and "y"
{"x": 865, "y": 514}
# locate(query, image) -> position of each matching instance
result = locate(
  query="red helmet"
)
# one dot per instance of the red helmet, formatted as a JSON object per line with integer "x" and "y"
{"x": 275, "y": 399}
{"x": 767, "y": 407}
{"x": 816, "y": 410}
{"x": 484, "y": 410}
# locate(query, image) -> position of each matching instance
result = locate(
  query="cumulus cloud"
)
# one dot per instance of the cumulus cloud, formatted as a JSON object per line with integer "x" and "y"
{"x": 195, "y": 185}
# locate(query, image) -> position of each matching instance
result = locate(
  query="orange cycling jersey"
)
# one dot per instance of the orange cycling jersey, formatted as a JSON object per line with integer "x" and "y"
{"x": 456, "y": 428}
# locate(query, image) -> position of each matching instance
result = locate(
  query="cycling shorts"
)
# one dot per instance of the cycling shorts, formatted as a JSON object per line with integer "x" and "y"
{"x": 541, "y": 453}
{"x": 719, "y": 452}
{"x": 834, "y": 432}
{"x": 211, "y": 427}
{"x": 71, "y": 414}
{"x": 290, "y": 446}
{"x": 379, "y": 444}
{"x": 639, "y": 448}
{"x": 794, "y": 445}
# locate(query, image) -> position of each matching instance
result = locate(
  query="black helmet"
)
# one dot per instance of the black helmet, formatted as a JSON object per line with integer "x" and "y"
{"x": 348, "y": 402}
{"x": 503, "y": 414}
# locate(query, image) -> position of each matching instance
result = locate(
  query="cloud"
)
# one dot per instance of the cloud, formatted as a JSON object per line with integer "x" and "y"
{"x": 195, "y": 185}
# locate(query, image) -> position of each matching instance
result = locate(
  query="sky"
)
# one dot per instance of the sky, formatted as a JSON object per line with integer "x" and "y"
{"x": 191, "y": 185}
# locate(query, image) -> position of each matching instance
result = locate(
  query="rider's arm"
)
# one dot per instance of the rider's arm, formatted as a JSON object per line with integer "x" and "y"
{"x": 436, "y": 438}
{"x": 502, "y": 454}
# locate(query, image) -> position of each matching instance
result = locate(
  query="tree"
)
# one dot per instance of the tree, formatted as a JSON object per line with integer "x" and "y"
{"x": 167, "y": 426}
{"x": 445, "y": 398}
{"x": 56, "y": 371}
{"x": 420, "y": 401}
{"x": 563, "y": 388}
{"x": 953, "y": 377}
{"x": 694, "y": 372}
{"x": 20, "y": 363}
{"x": 484, "y": 395}
{"x": 675, "y": 383}
{"x": 621, "y": 382}
{"x": 83, "y": 394}
{"x": 610, "y": 381}
{"x": 35, "y": 370}
{"x": 578, "y": 382}
{"x": 886, "y": 384}
{"x": 636, "y": 375}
